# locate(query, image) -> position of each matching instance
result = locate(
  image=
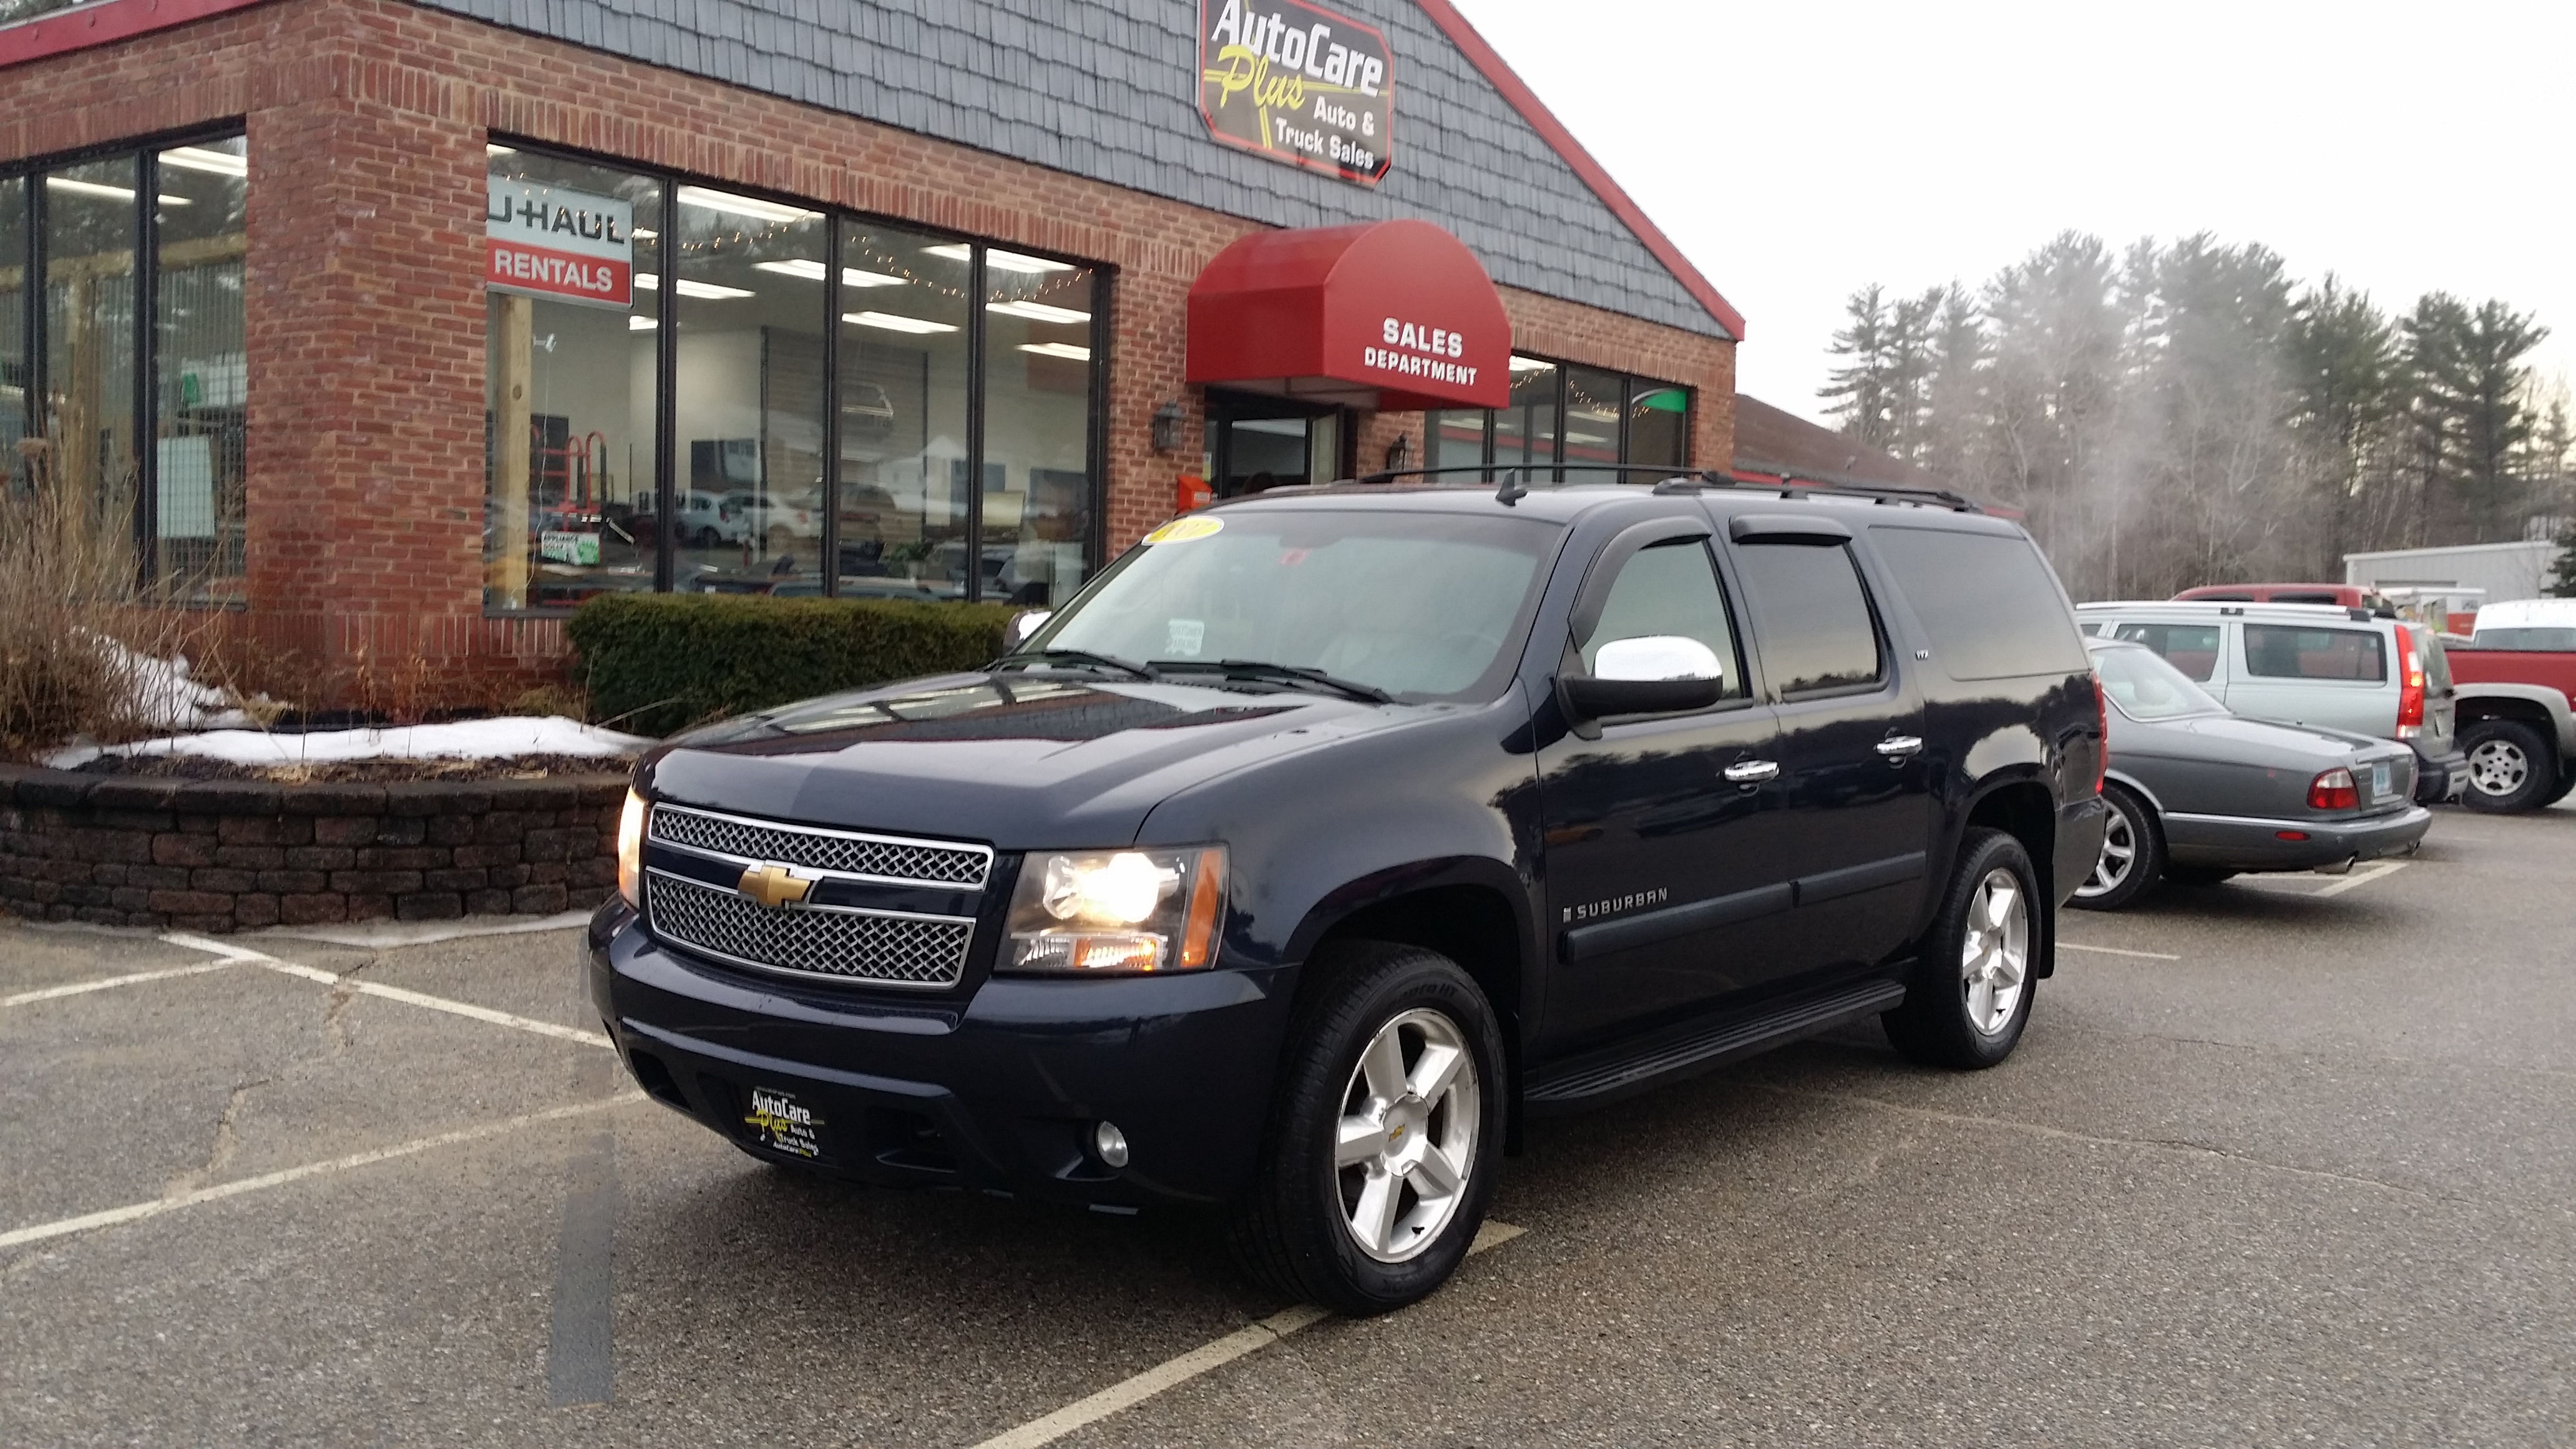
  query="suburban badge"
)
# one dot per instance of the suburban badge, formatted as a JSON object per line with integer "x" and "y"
{"x": 774, "y": 886}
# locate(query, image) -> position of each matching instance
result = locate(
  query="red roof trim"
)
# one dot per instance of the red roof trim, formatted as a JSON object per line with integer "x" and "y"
{"x": 106, "y": 22}
{"x": 1524, "y": 100}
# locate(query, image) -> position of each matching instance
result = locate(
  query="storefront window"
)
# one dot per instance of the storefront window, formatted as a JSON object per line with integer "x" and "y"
{"x": 152, "y": 444}
{"x": 1525, "y": 432}
{"x": 904, "y": 385}
{"x": 1563, "y": 417}
{"x": 571, "y": 506}
{"x": 748, "y": 404}
{"x": 88, "y": 406}
{"x": 13, "y": 325}
{"x": 1594, "y": 404}
{"x": 1658, "y": 424}
{"x": 200, "y": 374}
{"x": 1037, "y": 483}
{"x": 766, "y": 488}
{"x": 1456, "y": 438}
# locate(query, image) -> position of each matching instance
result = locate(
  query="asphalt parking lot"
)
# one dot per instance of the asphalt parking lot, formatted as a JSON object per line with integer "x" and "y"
{"x": 2281, "y": 1161}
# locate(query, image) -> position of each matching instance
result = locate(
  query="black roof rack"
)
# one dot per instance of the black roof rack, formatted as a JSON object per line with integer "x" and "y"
{"x": 1673, "y": 480}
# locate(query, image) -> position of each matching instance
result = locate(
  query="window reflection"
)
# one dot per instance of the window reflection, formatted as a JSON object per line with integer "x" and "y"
{"x": 1562, "y": 418}
{"x": 200, "y": 372}
{"x": 1525, "y": 432}
{"x": 13, "y": 325}
{"x": 748, "y": 396}
{"x": 570, "y": 510}
{"x": 1037, "y": 483}
{"x": 88, "y": 407}
{"x": 1594, "y": 403}
{"x": 903, "y": 415}
{"x": 1658, "y": 424}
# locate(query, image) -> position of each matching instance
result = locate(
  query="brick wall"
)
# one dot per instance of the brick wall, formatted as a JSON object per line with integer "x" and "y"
{"x": 221, "y": 855}
{"x": 366, "y": 122}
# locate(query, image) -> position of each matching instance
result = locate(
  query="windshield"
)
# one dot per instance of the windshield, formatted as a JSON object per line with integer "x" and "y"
{"x": 2147, "y": 688}
{"x": 1417, "y": 604}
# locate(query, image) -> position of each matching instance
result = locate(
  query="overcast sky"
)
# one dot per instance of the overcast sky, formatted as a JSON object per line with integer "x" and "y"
{"x": 1798, "y": 151}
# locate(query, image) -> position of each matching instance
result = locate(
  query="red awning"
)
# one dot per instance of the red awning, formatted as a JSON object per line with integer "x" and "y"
{"x": 1390, "y": 315}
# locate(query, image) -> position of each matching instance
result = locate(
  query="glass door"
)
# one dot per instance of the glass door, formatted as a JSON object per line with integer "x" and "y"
{"x": 1255, "y": 444}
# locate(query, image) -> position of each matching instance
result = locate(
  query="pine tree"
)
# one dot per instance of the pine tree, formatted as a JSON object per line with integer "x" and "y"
{"x": 2562, "y": 573}
{"x": 1858, "y": 389}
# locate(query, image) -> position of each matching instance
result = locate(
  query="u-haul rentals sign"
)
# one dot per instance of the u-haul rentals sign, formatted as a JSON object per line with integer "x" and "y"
{"x": 567, "y": 245}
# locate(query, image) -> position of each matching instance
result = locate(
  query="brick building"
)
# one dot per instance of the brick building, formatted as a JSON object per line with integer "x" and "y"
{"x": 402, "y": 327}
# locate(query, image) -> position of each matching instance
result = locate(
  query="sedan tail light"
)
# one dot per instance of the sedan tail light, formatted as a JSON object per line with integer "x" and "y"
{"x": 2333, "y": 790}
{"x": 2410, "y": 686}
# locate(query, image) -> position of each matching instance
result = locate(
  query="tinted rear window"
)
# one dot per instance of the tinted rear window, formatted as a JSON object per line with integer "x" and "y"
{"x": 1811, "y": 616}
{"x": 1989, "y": 602}
{"x": 2291, "y": 651}
{"x": 2191, "y": 648}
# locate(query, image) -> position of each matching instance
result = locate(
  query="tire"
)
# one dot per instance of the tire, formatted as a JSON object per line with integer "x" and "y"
{"x": 1299, "y": 1227}
{"x": 2510, "y": 767}
{"x": 2132, "y": 858}
{"x": 1986, "y": 932}
{"x": 708, "y": 538}
{"x": 2198, "y": 875}
{"x": 2559, "y": 791}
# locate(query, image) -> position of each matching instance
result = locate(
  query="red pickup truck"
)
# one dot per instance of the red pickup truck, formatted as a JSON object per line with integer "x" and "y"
{"x": 2516, "y": 683}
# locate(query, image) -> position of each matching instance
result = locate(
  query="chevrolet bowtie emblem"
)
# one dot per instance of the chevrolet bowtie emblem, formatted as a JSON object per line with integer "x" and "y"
{"x": 773, "y": 885}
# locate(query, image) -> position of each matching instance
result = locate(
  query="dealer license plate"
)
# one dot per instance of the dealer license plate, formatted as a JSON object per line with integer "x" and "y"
{"x": 782, "y": 1124}
{"x": 2379, "y": 778}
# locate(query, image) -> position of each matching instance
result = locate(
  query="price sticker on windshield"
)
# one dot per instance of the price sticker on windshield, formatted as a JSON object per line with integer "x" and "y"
{"x": 1186, "y": 530}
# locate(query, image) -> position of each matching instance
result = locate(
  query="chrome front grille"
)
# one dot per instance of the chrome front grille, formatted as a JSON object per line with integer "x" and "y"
{"x": 848, "y": 945}
{"x": 845, "y": 852}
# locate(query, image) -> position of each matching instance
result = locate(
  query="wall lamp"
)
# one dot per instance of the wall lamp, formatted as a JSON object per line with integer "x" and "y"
{"x": 1167, "y": 427}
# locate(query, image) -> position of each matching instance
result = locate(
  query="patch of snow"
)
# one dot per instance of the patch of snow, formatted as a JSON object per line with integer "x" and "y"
{"x": 476, "y": 739}
{"x": 162, "y": 695}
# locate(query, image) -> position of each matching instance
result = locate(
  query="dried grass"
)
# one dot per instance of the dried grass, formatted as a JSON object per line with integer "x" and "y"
{"x": 70, "y": 593}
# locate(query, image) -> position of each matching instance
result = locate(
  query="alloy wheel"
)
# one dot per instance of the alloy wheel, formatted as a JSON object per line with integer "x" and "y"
{"x": 1994, "y": 952}
{"x": 2498, "y": 767}
{"x": 2119, "y": 857}
{"x": 1407, "y": 1137}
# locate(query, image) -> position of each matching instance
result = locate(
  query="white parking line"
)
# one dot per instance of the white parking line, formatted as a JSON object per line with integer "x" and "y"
{"x": 390, "y": 993}
{"x": 2361, "y": 878}
{"x": 75, "y": 988}
{"x": 1128, "y": 1392}
{"x": 132, "y": 1212}
{"x": 2118, "y": 951}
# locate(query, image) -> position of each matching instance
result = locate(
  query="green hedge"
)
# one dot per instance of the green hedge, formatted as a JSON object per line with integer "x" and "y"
{"x": 659, "y": 663}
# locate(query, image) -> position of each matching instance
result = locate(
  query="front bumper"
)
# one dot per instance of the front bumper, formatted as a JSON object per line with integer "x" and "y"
{"x": 2230, "y": 842}
{"x": 2440, "y": 777}
{"x": 1001, "y": 1089}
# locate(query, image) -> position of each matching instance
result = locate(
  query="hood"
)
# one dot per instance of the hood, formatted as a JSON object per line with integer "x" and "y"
{"x": 1021, "y": 761}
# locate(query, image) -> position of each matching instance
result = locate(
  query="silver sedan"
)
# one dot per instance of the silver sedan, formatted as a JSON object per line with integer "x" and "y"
{"x": 2198, "y": 794}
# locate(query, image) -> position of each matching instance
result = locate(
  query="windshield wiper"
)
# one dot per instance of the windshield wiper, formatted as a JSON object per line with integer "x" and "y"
{"x": 1293, "y": 674}
{"x": 1127, "y": 667}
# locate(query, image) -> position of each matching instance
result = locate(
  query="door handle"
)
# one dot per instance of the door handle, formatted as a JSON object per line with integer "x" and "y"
{"x": 1899, "y": 747}
{"x": 1751, "y": 772}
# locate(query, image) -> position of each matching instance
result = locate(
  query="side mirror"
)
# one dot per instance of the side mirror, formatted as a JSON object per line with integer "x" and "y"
{"x": 1651, "y": 674}
{"x": 1023, "y": 626}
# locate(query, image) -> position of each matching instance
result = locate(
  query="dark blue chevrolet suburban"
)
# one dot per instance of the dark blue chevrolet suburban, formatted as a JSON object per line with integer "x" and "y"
{"x": 1327, "y": 835}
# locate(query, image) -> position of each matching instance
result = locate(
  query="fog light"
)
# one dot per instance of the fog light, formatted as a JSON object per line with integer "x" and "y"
{"x": 1110, "y": 1143}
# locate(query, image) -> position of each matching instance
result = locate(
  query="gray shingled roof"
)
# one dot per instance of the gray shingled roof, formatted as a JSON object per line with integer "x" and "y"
{"x": 1104, "y": 89}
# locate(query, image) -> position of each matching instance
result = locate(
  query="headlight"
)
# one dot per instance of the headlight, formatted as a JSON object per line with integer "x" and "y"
{"x": 1116, "y": 912}
{"x": 630, "y": 850}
